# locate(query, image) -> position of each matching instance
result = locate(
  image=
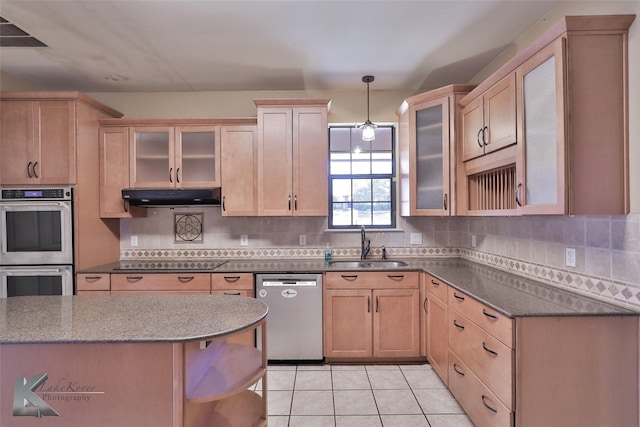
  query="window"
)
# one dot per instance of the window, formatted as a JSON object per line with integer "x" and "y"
{"x": 361, "y": 178}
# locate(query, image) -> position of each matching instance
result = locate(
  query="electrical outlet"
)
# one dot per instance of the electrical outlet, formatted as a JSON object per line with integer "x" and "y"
{"x": 570, "y": 257}
{"x": 244, "y": 240}
{"x": 416, "y": 238}
{"x": 474, "y": 243}
{"x": 134, "y": 241}
{"x": 302, "y": 239}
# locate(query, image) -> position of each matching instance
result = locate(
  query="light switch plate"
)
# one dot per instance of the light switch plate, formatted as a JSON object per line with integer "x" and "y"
{"x": 474, "y": 242}
{"x": 244, "y": 240}
{"x": 134, "y": 241}
{"x": 416, "y": 238}
{"x": 303, "y": 239}
{"x": 570, "y": 257}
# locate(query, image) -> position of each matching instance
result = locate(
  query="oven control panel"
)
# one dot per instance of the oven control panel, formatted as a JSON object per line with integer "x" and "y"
{"x": 36, "y": 194}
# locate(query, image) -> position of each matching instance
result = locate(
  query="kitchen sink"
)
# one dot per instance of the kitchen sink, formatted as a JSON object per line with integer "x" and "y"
{"x": 368, "y": 264}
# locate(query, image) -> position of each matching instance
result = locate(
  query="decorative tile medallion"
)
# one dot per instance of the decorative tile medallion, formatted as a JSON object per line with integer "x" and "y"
{"x": 188, "y": 227}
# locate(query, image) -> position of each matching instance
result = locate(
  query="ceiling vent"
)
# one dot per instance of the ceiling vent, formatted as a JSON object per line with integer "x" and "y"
{"x": 13, "y": 36}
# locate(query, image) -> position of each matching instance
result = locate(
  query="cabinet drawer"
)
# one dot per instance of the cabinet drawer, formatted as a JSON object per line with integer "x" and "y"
{"x": 161, "y": 282}
{"x": 242, "y": 292}
{"x": 93, "y": 282}
{"x": 223, "y": 281}
{"x": 497, "y": 324}
{"x": 482, "y": 406}
{"x": 490, "y": 360}
{"x": 372, "y": 280}
{"x": 436, "y": 287}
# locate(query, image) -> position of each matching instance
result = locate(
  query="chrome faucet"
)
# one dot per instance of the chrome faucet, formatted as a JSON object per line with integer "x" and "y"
{"x": 365, "y": 245}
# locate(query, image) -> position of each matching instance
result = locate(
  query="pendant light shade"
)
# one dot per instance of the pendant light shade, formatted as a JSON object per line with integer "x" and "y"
{"x": 368, "y": 128}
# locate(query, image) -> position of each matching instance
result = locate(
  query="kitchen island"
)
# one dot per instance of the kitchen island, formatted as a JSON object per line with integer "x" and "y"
{"x": 139, "y": 360}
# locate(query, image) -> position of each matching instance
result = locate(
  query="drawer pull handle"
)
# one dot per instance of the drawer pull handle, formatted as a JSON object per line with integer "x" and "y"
{"x": 395, "y": 276}
{"x": 349, "y": 277}
{"x": 92, "y": 278}
{"x": 232, "y": 293}
{"x": 185, "y": 279}
{"x": 368, "y": 304}
{"x": 457, "y": 325}
{"x": 458, "y": 370}
{"x": 488, "y": 350}
{"x": 134, "y": 278}
{"x": 492, "y": 409}
{"x": 489, "y": 315}
{"x": 377, "y": 305}
{"x": 434, "y": 283}
{"x": 231, "y": 278}
{"x": 458, "y": 297}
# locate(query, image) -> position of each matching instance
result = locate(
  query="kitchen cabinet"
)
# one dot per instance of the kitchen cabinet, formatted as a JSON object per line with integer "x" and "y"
{"x": 174, "y": 157}
{"x": 160, "y": 283}
{"x": 38, "y": 142}
{"x": 427, "y": 151}
{"x": 93, "y": 284}
{"x": 573, "y": 116}
{"x": 435, "y": 332}
{"x": 571, "y": 156}
{"x": 489, "y": 120}
{"x": 292, "y": 157}
{"x": 114, "y": 173}
{"x": 239, "y": 152}
{"x": 235, "y": 284}
{"x": 371, "y": 315}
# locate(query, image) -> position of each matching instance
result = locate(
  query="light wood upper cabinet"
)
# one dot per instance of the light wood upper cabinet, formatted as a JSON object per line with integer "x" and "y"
{"x": 292, "y": 157}
{"x": 174, "y": 157}
{"x": 489, "y": 121}
{"x": 239, "y": 150}
{"x": 572, "y": 99}
{"x": 38, "y": 142}
{"x": 426, "y": 141}
{"x": 114, "y": 174}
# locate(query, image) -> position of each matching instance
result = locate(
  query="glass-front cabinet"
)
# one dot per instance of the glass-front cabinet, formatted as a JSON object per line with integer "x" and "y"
{"x": 428, "y": 124}
{"x": 175, "y": 157}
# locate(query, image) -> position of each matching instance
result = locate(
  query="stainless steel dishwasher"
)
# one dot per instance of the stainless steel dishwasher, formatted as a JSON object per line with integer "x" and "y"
{"x": 294, "y": 322}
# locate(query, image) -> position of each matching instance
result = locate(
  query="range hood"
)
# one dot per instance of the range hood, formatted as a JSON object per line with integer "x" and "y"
{"x": 186, "y": 197}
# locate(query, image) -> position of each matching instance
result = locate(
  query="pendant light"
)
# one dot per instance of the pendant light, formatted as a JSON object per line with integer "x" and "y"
{"x": 368, "y": 128}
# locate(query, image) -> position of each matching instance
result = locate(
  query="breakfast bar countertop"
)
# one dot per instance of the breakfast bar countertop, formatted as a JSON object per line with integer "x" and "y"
{"x": 135, "y": 318}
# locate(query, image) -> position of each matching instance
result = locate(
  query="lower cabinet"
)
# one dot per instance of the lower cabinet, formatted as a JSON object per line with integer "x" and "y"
{"x": 159, "y": 283}
{"x": 371, "y": 315}
{"x": 435, "y": 333}
{"x": 235, "y": 284}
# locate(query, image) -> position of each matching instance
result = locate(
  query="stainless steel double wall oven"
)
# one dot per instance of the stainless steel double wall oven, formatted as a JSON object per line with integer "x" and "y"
{"x": 36, "y": 232}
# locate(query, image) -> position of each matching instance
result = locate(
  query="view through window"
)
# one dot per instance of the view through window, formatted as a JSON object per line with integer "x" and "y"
{"x": 361, "y": 176}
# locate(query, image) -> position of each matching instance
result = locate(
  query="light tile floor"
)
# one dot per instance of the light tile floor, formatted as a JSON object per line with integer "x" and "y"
{"x": 360, "y": 396}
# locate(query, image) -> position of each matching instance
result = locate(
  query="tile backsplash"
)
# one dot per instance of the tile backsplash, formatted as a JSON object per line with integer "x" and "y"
{"x": 607, "y": 247}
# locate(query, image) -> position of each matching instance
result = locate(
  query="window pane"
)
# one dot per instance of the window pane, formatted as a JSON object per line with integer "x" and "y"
{"x": 341, "y": 190}
{"x": 383, "y": 141}
{"x": 381, "y": 163}
{"x": 362, "y": 213}
{"x": 340, "y": 163}
{"x": 340, "y": 139}
{"x": 381, "y": 190}
{"x": 382, "y": 213}
{"x": 361, "y": 190}
{"x": 341, "y": 214}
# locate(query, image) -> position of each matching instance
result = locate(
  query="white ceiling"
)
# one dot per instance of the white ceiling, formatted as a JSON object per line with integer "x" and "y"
{"x": 181, "y": 45}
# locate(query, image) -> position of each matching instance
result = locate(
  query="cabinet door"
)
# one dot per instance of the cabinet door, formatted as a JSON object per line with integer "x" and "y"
{"x": 500, "y": 114}
{"x": 347, "y": 323}
{"x": 275, "y": 151}
{"x": 57, "y": 142}
{"x": 310, "y": 161}
{"x": 472, "y": 127}
{"x": 239, "y": 175}
{"x": 437, "y": 336}
{"x": 429, "y": 151}
{"x": 541, "y": 187}
{"x": 396, "y": 323}
{"x": 38, "y": 142}
{"x": 114, "y": 173}
{"x": 152, "y": 157}
{"x": 197, "y": 155}
{"x": 17, "y": 143}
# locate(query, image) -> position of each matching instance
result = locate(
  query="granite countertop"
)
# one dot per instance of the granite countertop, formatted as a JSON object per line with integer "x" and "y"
{"x": 512, "y": 295}
{"x": 135, "y": 318}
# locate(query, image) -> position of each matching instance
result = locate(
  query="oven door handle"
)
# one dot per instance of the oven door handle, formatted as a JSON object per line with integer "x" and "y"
{"x": 15, "y": 271}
